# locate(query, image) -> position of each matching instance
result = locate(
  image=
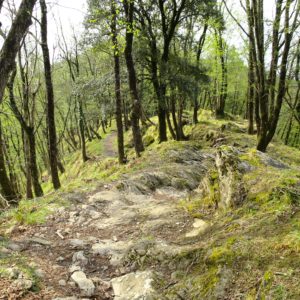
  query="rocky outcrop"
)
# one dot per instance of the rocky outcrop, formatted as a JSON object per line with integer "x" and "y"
{"x": 231, "y": 186}
{"x": 181, "y": 170}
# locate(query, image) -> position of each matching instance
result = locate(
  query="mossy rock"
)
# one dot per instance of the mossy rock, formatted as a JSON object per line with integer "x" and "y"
{"x": 148, "y": 140}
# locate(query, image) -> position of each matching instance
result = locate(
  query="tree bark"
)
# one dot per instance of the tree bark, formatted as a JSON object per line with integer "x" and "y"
{"x": 119, "y": 121}
{"x": 52, "y": 138}
{"x": 136, "y": 101}
{"x": 13, "y": 41}
{"x": 6, "y": 186}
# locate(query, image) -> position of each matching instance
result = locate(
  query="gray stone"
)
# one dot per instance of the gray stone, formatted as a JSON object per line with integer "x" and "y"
{"x": 95, "y": 214}
{"x": 74, "y": 268}
{"x": 231, "y": 187}
{"x": 60, "y": 259}
{"x": 79, "y": 244}
{"x": 116, "y": 250}
{"x": 62, "y": 282}
{"x": 14, "y": 247}
{"x": 133, "y": 286}
{"x": 79, "y": 259}
{"x": 40, "y": 241}
{"x": 86, "y": 285}
{"x": 23, "y": 284}
{"x": 269, "y": 161}
{"x": 199, "y": 227}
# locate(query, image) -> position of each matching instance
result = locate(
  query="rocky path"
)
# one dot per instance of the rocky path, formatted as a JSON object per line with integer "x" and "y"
{"x": 113, "y": 243}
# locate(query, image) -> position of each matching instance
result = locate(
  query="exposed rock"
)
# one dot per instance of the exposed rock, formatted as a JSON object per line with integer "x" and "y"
{"x": 60, "y": 259}
{"x": 23, "y": 284}
{"x": 199, "y": 227}
{"x": 14, "y": 247}
{"x": 105, "y": 285}
{"x": 231, "y": 188}
{"x": 269, "y": 161}
{"x": 40, "y": 241}
{"x": 79, "y": 259}
{"x": 62, "y": 282}
{"x": 86, "y": 285}
{"x": 116, "y": 250}
{"x": 95, "y": 214}
{"x": 74, "y": 268}
{"x": 134, "y": 286}
{"x": 78, "y": 244}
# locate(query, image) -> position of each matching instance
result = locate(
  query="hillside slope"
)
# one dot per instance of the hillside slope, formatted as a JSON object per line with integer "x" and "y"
{"x": 210, "y": 218}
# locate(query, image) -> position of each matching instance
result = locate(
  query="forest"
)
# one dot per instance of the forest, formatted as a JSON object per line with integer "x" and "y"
{"x": 160, "y": 140}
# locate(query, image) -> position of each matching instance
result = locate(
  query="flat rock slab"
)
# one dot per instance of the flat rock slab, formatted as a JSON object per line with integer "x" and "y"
{"x": 133, "y": 286}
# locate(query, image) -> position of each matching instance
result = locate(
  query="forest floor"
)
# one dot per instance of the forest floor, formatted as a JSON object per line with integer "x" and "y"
{"x": 151, "y": 233}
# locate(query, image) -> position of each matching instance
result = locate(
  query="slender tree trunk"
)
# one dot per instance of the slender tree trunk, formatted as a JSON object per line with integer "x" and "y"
{"x": 52, "y": 139}
{"x": 33, "y": 164}
{"x": 136, "y": 102}
{"x": 82, "y": 131}
{"x": 251, "y": 92}
{"x": 199, "y": 51}
{"x": 220, "y": 108}
{"x": 29, "y": 193}
{"x": 117, "y": 85}
{"x": 5, "y": 183}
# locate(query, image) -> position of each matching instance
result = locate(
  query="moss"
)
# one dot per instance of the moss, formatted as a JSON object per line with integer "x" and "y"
{"x": 221, "y": 255}
{"x": 208, "y": 281}
{"x": 148, "y": 140}
{"x": 20, "y": 263}
{"x": 251, "y": 157}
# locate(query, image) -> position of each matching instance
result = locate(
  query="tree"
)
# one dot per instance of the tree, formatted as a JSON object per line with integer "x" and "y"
{"x": 116, "y": 55}
{"x": 136, "y": 102}
{"x": 7, "y": 189}
{"x": 270, "y": 102}
{"x": 52, "y": 140}
{"x": 28, "y": 127}
{"x": 13, "y": 41}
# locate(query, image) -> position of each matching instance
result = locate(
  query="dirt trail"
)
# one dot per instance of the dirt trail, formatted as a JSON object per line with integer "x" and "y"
{"x": 109, "y": 149}
{"x": 108, "y": 244}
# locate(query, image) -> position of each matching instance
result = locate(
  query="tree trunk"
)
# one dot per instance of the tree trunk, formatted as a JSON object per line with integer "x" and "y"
{"x": 33, "y": 164}
{"x": 5, "y": 183}
{"x": 251, "y": 92}
{"x": 119, "y": 121}
{"x": 52, "y": 139}
{"x": 82, "y": 131}
{"x": 12, "y": 42}
{"x": 136, "y": 102}
{"x": 29, "y": 193}
{"x": 220, "y": 107}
